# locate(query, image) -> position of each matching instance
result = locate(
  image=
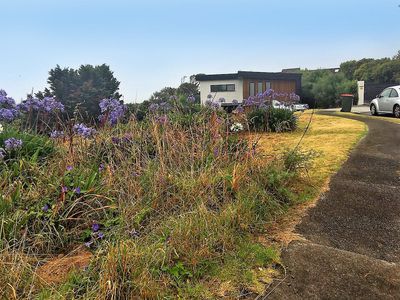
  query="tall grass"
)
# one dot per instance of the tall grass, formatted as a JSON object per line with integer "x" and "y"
{"x": 178, "y": 205}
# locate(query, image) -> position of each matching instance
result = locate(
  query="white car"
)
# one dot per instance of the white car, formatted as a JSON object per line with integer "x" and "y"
{"x": 299, "y": 107}
{"x": 387, "y": 102}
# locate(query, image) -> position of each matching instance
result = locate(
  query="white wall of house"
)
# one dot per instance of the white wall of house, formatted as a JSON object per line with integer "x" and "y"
{"x": 205, "y": 90}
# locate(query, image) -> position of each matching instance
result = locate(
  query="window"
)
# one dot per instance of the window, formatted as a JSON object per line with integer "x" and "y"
{"x": 267, "y": 85}
{"x": 252, "y": 87}
{"x": 386, "y": 93}
{"x": 260, "y": 87}
{"x": 222, "y": 88}
{"x": 394, "y": 94}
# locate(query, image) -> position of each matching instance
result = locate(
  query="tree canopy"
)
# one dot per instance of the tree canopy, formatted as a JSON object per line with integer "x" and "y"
{"x": 82, "y": 89}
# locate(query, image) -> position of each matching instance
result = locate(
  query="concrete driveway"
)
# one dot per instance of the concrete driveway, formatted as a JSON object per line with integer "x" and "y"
{"x": 352, "y": 236}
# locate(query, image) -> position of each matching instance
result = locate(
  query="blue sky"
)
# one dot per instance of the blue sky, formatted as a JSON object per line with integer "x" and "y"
{"x": 151, "y": 44}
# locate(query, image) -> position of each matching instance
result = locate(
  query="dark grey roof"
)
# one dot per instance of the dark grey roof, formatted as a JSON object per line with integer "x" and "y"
{"x": 249, "y": 75}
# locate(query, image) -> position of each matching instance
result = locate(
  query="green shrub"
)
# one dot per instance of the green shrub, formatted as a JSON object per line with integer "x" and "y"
{"x": 272, "y": 119}
{"x": 34, "y": 146}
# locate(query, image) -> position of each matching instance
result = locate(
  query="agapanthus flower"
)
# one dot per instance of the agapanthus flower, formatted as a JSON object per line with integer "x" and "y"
{"x": 112, "y": 109}
{"x": 191, "y": 99}
{"x": 46, "y": 208}
{"x": 221, "y": 100}
{"x": 64, "y": 189}
{"x": 84, "y": 131}
{"x": 239, "y": 110}
{"x": 55, "y": 134}
{"x": 50, "y": 104}
{"x": 115, "y": 140}
{"x": 100, "y": 235}
{"x": 77, "y": 190}
{"x": 47, "y": 104}
{"x": 8, "y": 109}
{"x": 216, "y": 152}
{"x": 208, "y": 103}
{"x": 101, "y": 167}
{"x": 95, "y": 227}
{"x": 215, "y": 105}
{"x": 69, "y": 168}
{"x": 8, "y": 114}
{"x": 12, "y": 144}
{"x": 153, "y": 107}
{"x": 161, "y": 119}
{"x": 234, "y": 101}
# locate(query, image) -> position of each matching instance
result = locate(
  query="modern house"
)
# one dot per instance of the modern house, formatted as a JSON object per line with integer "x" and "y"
{"x": 242, "y": 85}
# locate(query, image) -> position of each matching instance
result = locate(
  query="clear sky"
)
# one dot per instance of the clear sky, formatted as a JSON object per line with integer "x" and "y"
{"x": 151, "y": 44}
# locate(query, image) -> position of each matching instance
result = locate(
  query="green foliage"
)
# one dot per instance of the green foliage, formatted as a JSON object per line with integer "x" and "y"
{"x": 34, "y": 147}
{"x": 81, "y": 90}
{"x": 273, "y": 119}
{"x": 325, "y": 87}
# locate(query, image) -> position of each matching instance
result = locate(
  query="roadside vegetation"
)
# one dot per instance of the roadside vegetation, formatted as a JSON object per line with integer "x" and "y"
{"x": 174, "y": 205}
{"x": 321, "y": 88}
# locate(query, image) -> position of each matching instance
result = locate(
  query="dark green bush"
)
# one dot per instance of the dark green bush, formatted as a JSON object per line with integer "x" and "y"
{"x": 272, "y": 119}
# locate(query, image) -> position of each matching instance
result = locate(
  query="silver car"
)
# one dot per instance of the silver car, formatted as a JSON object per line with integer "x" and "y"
{"x": 387, "y": 102}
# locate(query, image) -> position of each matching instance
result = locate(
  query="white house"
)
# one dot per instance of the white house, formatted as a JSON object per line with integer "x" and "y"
{"x": 241, "y": 85}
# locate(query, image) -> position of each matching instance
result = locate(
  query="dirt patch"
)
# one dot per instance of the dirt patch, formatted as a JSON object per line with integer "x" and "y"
{"x": 56, "y": 270}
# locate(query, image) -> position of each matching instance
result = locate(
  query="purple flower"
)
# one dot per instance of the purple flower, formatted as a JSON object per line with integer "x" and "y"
{"x": 89, "y": 244}
{"x": 234, "y": 101}
{"x": 84, "y": 131}
{"x": 77, "y": 190}
{"x": 239, "y": 110}
{"x": 161, "y": 119}
{"x": 47, "y": 104}
{"x": 64, "y": 189}
{"x": 101, "y": 167}
{"x": 208, "y": 103}
{"x": 100, "y": 235}
{"x": 115, "y": 140}
{"x": 8, "y": 114}
{"x": 191, "y": 99}
{"x": 69, "y": 168}
{"x": 55, "y": 134}
{"x": 12, "y": 144}
{"x": 153, "y": 107}
{"x": 164, "y": 106}
{"x": 95, "y": 227}
{"x": 209, "y": 96}
{"x": 112, "y": 109}
{"x": 216, "y": 152}
{"x": 215, "y": 105}
{"x": 46, "y": 208}
{"x": 221, "y": 100}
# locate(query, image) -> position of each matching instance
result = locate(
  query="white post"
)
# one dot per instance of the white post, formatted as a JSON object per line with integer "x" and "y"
{"x": 361, "y": 91}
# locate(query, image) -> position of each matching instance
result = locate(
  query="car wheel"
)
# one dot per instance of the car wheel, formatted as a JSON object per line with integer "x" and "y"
{"x": 396, "y": 111}
{"x": 373, "y": 110}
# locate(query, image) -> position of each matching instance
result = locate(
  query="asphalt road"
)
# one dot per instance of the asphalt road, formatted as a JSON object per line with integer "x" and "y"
{"x": 352, "y": 236}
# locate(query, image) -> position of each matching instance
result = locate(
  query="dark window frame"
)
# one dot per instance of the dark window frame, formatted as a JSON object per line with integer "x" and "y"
{"x": 215, "y": 88}
{"x": 391, "y": 94}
